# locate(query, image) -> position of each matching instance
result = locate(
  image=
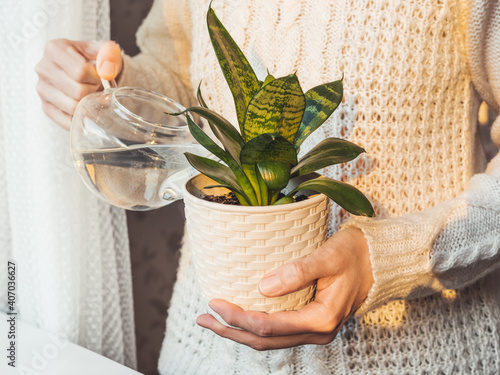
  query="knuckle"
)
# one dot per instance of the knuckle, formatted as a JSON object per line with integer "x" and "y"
{"x": 61, "y": 42}
{"x": 47, "y": 109}
{"x": 79, "y": 73}
{"x": 64, "y": 44}
{"x": 330, "y": 324}
{"x": 325, "y": 328}
{"x": 68, "y": 48}
{"x": 39, "y": 89}
{"x": 80, "y": 92}
{"x": 230, "y": 319}
{"x": 300, "y": 270}
{"x": 44, "y": 107}
{"x": 54, "y": 45}
{"x": 333, "y": 323}
{"x": 325, "y": 339}
{"x": 264, "y": 330}
{"x": 72, "y": 106}
{"x": 257, "y": 345}
{"x": 38, "y": 68}
{"x": 261, "y": 325}
{"x": 49, "y": 47}
{"x": 223, "y": 331}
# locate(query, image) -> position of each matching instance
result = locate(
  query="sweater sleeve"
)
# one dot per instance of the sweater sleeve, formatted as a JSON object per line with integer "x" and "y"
{"x": 458, "y": 241}
{"x": 164, "y": 39}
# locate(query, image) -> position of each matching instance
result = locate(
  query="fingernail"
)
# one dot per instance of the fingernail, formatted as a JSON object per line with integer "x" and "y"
{"x": 107, "y": 70}
{"x": 270, "y": 285}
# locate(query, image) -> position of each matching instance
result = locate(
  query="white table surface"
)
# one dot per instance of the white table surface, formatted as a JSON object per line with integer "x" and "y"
{"x": 39, "y": 353}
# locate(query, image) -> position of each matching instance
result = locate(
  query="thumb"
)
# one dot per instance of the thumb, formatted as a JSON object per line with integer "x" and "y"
{"x": 107, "y": 55}
{"x": 294, "y": 276}
{"x": 109, "y": 60}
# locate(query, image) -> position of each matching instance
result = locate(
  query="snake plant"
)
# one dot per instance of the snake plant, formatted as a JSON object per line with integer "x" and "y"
{"x": 274, "y": 116}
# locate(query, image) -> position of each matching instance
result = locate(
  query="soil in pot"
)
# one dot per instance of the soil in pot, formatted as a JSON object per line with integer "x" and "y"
{"x": 228, "y": 198}
{"x": 231, "y": 199}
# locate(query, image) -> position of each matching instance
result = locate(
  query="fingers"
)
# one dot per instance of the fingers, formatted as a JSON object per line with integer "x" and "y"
{"x": 106, "y": 54}
{"x": 59, "y": 117}
{"x": 51, "y": 74}
{"x": 331, "y": 306}
{"x": 299, "y": 274}
{"x": 343, "y": 252}
{"x": 313, "y": 318}
{"x": 56, "y": 97}
{"x": 67, "y": 74}
{"x": 262, "y": 343}
{"x": 69, "y": 57}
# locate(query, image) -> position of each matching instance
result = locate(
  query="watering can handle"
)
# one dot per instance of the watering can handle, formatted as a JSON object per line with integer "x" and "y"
{"x": 108, "y": 84}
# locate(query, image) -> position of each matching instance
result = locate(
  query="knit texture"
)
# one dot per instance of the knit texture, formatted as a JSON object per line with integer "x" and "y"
{"x": 413, "y": 72}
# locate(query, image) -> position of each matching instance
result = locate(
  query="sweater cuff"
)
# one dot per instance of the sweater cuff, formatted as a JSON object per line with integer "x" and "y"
{"x": 119, "y": 77}
{"x": 127, "y": 74}
{"x": 400, "y": 255}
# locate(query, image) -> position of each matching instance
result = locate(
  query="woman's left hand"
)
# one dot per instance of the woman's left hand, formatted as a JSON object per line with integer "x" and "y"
{"x": 343, "y": 270}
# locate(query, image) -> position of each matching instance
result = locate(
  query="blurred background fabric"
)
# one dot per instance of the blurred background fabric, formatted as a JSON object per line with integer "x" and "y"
{"x": 71, "y": 250}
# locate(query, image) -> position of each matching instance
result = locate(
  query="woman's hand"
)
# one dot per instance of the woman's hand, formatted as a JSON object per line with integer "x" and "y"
{"x": 67, "y": 74}
{"x": 341, "y": 266}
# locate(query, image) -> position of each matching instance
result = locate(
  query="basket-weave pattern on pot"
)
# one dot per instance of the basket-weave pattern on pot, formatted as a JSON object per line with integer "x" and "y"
{"x": 234, "y": 246}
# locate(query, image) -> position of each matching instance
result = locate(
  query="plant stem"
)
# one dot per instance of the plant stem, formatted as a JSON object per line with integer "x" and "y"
{"x": 264, "y": 191}
{"x": 250, "y": 172}
{"x": 274, "y": 196}
{"x": 241, "y": 199}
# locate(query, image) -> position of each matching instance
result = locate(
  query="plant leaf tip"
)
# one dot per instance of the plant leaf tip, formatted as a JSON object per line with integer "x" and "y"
{"x": 175, "y": 113}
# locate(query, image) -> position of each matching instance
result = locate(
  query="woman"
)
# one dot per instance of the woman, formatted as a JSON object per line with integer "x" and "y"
{"x": 415, "y": 276}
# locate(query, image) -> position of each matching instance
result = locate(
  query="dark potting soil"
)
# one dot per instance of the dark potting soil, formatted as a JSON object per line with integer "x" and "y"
{"x": 230, "y": 198}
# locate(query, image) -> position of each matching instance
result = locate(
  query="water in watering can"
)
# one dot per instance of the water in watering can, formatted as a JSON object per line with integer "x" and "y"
{"x": 129, "y": 151}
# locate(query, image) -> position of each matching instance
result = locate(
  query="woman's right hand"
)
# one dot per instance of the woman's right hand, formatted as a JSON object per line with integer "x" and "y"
{"x": 67, "y": 74}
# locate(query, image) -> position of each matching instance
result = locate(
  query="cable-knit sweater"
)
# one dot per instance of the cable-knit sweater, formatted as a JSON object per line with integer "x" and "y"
{"x": 415, "y": 72}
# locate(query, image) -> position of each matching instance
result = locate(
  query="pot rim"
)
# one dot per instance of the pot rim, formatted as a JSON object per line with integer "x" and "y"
{"x": 312, "y": 200}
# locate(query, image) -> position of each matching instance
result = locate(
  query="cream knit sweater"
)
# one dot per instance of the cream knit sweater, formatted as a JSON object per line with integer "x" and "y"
{"x": 414, "y": 72}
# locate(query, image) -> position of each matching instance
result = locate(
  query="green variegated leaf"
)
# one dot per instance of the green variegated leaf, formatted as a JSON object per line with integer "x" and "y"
{"x": 201, "y": 101}
{"x": 328, "y": 152}
{"x": 275, "y": 174}
{"x": 268, "y": 147}
{"x": 321, "y": 102}
{"x": 211, "y": 146}
{"x": 251, "y": 174}
{"x": 222, "y": 129}
{"x": 345, "y": 195}
{"x": 203, "y": 104}
{"x": 269, "y": 79}
{"x": 216, "y": 171}
{"x": 239, "y": 75}
{"x": 284, "y": 200}
{"x": 277, "y": 107}
{"x": 264, "y": 192}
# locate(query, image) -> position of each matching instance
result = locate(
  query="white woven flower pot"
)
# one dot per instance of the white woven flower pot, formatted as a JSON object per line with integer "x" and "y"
{"x": 233, "y": 247}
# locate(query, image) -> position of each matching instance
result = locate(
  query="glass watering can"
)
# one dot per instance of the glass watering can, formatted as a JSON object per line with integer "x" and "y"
{"x": 128, "y": 151}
